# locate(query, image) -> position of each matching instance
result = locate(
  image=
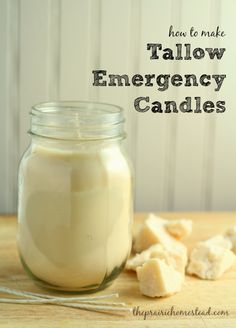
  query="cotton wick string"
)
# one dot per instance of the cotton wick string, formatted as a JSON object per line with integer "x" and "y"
{"x": 89, "y": 300}
{"x": 51, "y": 299}
{"x": 55, "y": 301}
{"x": 87, "y": 303}
{"x": 16, "y": 292}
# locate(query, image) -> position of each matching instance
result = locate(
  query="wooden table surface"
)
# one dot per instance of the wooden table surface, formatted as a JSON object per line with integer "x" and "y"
{"x": 219, "y": 295}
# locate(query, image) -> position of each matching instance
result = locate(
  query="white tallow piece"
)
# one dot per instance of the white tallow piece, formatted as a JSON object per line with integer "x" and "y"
{"x": 179, "y": 228}
{"x": 211, "y": 258}
{"x": 161, "y": 260}
{"x": 218, "y": 240}
{"x": 157, "y": 230}
{"x": 175, "y": 257}
{"x": 157, "y": 279}
{"x": 231, "y": 235}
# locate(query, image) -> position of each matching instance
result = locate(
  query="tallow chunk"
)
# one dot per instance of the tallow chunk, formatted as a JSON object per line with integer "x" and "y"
{"x": 153, "y": 231}
{"x": 231, "y": 235}
{"x": 175, "y": 257}
{"x": 209, "y": 261}
{"x": 157, "y": 279}
{"x": 146, "y": 235}
{"x": 179, "y": 228}
{"x": 218, "y": 240}
{"x": 139, "y": 259}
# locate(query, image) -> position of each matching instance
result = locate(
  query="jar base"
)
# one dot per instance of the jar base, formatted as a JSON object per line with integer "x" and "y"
{"x": 107, "y": 281}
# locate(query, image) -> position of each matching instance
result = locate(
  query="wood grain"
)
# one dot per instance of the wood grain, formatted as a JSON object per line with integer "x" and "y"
{"x": 219, "y": 295}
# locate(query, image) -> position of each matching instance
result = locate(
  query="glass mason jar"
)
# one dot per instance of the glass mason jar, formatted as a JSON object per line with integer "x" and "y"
{"x": 75, "y": 196}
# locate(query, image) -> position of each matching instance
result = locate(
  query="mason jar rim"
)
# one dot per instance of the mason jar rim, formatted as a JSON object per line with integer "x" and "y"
{"x": 77, "y": 120}
{"x": 46, "y": 107}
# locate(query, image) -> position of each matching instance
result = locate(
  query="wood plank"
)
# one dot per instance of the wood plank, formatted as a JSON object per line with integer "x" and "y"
{"x": 218, "y": 294}
{"x": 34, "y": 45}
{"x": 115, "y": 53}
{"x": 75, "y": 46}
{"x": 152, "y": 129}
{"x": 3, "y": 96}
{"x": 9, "y": 95}
{"x": 190, "y": 176}
{"x": 224, "y": 179}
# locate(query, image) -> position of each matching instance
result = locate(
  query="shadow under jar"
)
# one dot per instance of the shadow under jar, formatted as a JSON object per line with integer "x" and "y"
{"x": 75, "y": 208}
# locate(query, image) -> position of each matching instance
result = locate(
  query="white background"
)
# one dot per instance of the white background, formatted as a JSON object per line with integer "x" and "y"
{"x": 48, "y": 49}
